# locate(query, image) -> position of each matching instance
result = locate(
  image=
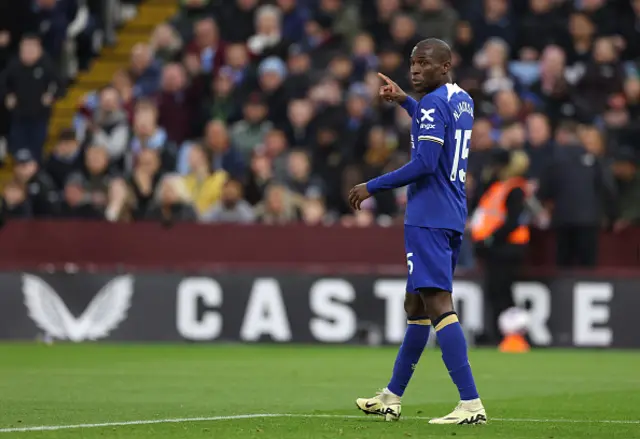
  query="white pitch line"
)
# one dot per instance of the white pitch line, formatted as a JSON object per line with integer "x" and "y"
{"x": 285, "y": 415}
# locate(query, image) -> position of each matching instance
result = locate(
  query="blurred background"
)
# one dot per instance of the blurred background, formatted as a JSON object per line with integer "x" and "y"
{"x": 222, "y": 136}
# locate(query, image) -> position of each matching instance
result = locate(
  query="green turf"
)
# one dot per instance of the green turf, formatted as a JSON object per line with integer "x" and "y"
{"x": 96, "y": 383}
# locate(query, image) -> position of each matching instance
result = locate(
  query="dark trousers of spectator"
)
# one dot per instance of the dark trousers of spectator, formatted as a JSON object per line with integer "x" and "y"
{"x": 30, "y": 133}
{"x": 502, "y": 266}
{"x": 577, "y": 246}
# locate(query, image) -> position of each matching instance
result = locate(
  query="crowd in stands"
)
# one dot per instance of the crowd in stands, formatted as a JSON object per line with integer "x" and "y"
{"x": 268, "y": 111}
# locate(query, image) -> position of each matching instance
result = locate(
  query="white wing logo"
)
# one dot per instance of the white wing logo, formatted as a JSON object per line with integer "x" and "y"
{"x": 105, "y": 312}
{"x": 427, "y": 114}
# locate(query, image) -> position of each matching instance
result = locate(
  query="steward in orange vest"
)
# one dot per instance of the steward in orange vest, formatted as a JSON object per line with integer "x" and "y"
{"x": 500, "y": 232}
{"x": 499, "y": 217}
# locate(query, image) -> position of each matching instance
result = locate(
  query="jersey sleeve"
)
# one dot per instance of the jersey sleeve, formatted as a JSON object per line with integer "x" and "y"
{"x": 410, "y": 105}
{"x": 431, "y": 122}
{"x": 430, "y": 116}
{"x": 431, "y": 131}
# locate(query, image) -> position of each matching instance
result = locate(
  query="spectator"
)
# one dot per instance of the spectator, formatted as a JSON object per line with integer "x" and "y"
{"x": 404, "y": 33}
{"x": 314, "y": 212}
{"x": 16, "y": 203}
{"x": 539, "y": 145}
{"x": 329, "y": 160}
{"x": 29, "y": 86}
{"x": 41, "y": 190}
{"x": 190, "y": 12}
{"x": 603, "y": 78}
{"x": 14, "y": 21}
{"x": 299, "y": 178}
{"x": 143, "y": 180}
{"x": 272, "y": 73}
{"x": 166, "y": 44}
{"x": 148, "y": 135}
{"x": 206, "y": 48}
{"x": 483, "y": 140}
{"x": 109, "y": 127}
{"x": 391, "y": 64}
{"x": 508, "y": 109}
{"x": 51, "y": 19}
{"x": 632, "y": 96}
{"x": 172, "y": 203}
{"x": 512, "y": 137}
{"x": 577, "y": 187}
{"x": 299, "y": 128}
{"x": 600, "y": 14}
{"x": 627, "y": 175}
{"x": 380, "y": 146}
{"x": 98, "y": 176}
{"x": 495, "y": 22}
{"x": 344, "y": 16}
{"x": 464, "y": 46}
{"x": 436, "y": 19}
{"x": 341, "y": 68}
{"x": 221, "y": 104}
{"x": 238, "y": 20}
{"x": 379, "y": 22}
{"x": 629, "y": 32}
{"x": 582, "y": 32}
{"x": 278, "y": 207}
{"x": 320, "y": 41}
{"x": 299, "y": 72}
{"x": 237, "y": 64}
{"x": 123, "y": 83}
{"x": 364, "y": 55}
{"x": 552, "y": 88}
{"x": 231, "y": 208}
{"x": 268, "y": 40}
{"x": 144, "y": 71}
{"x": 493, "y": 61}
{"x": 224, "y": 156}
{"x": 359, "y": 120}
{"x": 76, "y": 203}
{"x": 293, "y": 19}
{"x": 203, "y": 186}
{"x": 177, "y": 103}
{"x": 541, "y": 26}
{"x": 275, "y": 147}
{"x": 250, "y": 132}
{"x": 67, "y": 158}
{"x": 260, "y": 177}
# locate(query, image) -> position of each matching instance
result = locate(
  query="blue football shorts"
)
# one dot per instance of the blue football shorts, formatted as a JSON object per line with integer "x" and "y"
{"x": 432, "y": 255}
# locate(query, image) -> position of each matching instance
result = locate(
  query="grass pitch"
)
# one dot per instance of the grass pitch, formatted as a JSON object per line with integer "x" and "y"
{"x": 549, "y": 394}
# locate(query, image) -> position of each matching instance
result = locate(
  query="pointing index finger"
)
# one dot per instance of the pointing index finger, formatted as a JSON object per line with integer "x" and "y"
{"x": 385, "y": 78}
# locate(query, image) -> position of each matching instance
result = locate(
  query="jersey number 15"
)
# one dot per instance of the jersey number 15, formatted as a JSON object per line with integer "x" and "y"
{"x": 462, "y": 141}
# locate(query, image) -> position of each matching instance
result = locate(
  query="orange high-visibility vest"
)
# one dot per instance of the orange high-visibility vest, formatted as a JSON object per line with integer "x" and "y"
{"x": 492, "y": 212}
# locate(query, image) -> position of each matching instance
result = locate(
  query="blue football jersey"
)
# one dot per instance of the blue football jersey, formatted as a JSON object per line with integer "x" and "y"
{"x": 441, "y": 130}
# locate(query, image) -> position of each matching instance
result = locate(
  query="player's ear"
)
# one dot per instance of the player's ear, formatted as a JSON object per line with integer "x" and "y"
{"x": 446, "y": 67}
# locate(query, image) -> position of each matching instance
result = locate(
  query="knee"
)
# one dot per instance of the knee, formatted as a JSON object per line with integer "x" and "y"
{"x": 414, "y": 306}
{"x": 437, "y": 302}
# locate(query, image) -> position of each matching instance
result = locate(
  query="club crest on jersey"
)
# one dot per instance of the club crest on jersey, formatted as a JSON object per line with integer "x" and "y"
{"x": 427, "y": 114}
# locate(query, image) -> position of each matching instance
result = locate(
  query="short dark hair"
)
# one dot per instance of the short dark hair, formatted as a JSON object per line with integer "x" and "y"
{"x": 30, "y": 36}
{"x": 441, "y": 50}
{"x": 67, "y": 135}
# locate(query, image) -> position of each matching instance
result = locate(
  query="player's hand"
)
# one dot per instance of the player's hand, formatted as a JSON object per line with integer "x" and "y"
{"x": 390, "y": 91}
{"x": 357, "y": 195}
